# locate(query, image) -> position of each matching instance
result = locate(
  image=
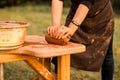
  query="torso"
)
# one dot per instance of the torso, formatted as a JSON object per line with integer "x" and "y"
{"x": 101, "y": 26}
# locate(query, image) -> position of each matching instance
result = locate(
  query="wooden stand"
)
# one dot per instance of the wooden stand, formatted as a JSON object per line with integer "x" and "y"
{"x": 36, "y": 47}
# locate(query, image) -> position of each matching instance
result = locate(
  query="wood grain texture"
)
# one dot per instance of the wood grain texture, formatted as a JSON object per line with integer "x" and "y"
{"x": 1, "y": 72}
{"x": 63, "y": 67}
{"x": 38, "y": 47}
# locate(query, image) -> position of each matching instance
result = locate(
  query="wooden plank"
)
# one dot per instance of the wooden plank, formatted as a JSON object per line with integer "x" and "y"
{"x": 1, "y": 72}
{"x": 40, "y": 68}
{"x": 12, "y": 57}
{"x": 63, "y": 67}
{"x": 38, "y": 47}
{"x": 45, "y": 62}
{"x": 50, "y": 50}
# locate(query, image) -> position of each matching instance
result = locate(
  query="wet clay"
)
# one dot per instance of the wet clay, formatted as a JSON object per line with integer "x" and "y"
{"x": 56, "y": 41}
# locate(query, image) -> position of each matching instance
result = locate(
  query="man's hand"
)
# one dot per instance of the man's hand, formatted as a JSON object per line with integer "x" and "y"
{"x": 64, "y": 32}
{"x": 51, "y": 30}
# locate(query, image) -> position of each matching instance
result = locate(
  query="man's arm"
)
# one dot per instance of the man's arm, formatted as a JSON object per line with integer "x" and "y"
{"x": 78, "y": 18}
{"x": 57, "y": 7}
{"x": 56, "y": 13}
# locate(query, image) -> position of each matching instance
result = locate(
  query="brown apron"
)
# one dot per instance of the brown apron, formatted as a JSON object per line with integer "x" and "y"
{"x": 95, "y": 32}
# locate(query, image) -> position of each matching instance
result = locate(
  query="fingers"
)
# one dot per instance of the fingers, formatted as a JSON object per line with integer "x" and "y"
{"x": 66, "y": 35}
{"x": 55, "y": 31}
{"x": 63, "y": 31}
{"x": 48, "y": 30}
{"x": 51, "y": 30}
{"x": 59, "y": 32}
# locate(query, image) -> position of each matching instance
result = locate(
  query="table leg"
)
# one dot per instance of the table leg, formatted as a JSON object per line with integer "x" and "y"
{"x": 42, "y": 70}
{"x": 1, "y": 72}
{"x": 45, "y": 62}
{"x": 63, "y": 67}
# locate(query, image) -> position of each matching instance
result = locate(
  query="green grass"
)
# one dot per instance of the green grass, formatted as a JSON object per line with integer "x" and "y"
{"x": 39, "y": 18}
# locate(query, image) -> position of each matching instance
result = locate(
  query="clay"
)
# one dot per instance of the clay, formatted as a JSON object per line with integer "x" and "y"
{"x": 56, "y": 41}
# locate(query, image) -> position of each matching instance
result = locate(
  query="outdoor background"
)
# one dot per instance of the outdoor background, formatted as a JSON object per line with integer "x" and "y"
{"x": 38, "y": 14}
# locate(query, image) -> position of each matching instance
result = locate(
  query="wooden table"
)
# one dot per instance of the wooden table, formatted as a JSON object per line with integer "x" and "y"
{"x": 36, "y": 47}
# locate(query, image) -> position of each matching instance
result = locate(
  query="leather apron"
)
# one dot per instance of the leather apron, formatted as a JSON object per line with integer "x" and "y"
{"x": 95, "y": 32}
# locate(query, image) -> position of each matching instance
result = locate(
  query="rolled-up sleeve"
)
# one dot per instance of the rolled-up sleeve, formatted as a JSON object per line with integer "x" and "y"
{"x": 88, "y": 3}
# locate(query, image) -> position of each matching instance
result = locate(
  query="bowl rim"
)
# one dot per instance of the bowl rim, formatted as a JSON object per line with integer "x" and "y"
{"x": 21, "y": 24}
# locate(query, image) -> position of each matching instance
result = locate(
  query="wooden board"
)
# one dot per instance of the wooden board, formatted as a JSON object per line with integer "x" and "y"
{"x": 38, "y": 47}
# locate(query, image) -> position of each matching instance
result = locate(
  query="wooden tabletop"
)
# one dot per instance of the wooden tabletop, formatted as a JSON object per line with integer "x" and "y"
{"x": 38, "y": 47}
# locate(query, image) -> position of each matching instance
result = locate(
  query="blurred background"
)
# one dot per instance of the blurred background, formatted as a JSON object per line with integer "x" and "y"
{"x": 38, "y": 14}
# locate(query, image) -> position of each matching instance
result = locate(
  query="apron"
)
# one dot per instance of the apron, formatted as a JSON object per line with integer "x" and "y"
{"x": 95, "y": 32}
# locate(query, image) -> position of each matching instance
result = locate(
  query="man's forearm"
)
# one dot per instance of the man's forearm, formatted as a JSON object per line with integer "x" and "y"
{"x": 57, "y": 7}
{"x": 79, "y": 15}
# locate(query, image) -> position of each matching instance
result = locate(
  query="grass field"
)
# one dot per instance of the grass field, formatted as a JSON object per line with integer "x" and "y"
{"x": 39, "y": 18}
